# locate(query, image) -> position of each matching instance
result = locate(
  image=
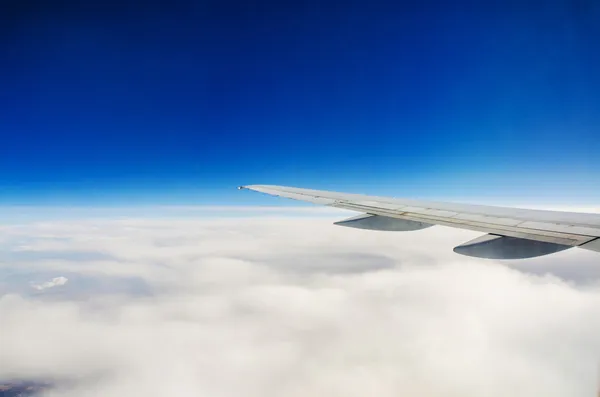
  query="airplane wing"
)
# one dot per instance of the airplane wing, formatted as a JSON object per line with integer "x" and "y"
{"x": 512, "y": 233}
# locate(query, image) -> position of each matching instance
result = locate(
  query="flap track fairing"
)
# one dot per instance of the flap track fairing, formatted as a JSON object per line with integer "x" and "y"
{"x": 492, "y": 246}
{"x": 383, "y": 223}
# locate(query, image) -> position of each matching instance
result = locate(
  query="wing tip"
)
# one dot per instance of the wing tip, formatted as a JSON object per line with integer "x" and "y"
{"x": 256, "y": 187}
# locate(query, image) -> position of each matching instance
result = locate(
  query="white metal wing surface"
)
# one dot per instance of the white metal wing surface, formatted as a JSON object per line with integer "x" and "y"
{"x": 513, "y": 233}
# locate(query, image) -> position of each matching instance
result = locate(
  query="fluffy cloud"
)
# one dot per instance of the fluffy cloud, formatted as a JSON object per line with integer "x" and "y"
{"x": 292, "y": 307}
{"x": 55, "y": 282}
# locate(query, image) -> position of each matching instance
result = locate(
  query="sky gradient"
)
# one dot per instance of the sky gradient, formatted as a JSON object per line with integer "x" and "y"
{"x": 110, "y": 104}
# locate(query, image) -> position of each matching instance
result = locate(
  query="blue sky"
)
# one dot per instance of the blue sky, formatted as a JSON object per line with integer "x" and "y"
{"x": 180, "y": 102}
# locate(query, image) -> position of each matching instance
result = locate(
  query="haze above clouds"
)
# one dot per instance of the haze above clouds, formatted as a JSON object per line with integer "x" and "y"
{"x": 289, "y": 306}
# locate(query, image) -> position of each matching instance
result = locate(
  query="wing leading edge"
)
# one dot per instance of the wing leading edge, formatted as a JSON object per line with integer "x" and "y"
{"x": 513, "y": 233}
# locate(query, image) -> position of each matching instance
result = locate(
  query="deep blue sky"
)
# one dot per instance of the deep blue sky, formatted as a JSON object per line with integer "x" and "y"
{"x": 179, "y": 102}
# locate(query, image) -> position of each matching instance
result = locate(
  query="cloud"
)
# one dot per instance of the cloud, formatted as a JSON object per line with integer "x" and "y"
{"x": 55, "y": 282}
{"x": 292, "y": 307}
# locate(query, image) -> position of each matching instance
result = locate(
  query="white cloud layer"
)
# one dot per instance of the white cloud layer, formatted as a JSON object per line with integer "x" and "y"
{"x": 290, "y": 307}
